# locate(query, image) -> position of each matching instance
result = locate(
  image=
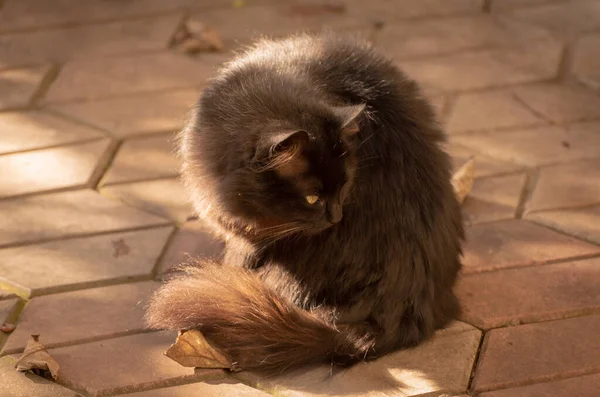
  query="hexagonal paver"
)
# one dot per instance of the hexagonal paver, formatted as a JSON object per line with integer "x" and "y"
{"x": 68, "y": 214}
{"x": 60, "y": 45}
{"x": 531, "y": 61}
{"x": 74, "y": 263}
{"x": 110, "y": 76}
{"x": 560, "y": 103}
{"x": 493, "y": 198}
{"x": 150, "y": 196}
{"x": 143, "y": 158}
{"x": 210, "y": 388}
{"x": 18, "y": 86}
{"x": 579, "y": 222}
{"x": 484, "y": 165}
{"x": 193, "y": 240}
{"x": 135, "y": 115}
{"x": 488, "y": 111}
{"x": 538, "y": 145}
{"x": 532, "y": 294}
{"x": 536, "y": 352}
{"x": 80, "y": 316}
{"x": 16, "y": 384}
{"x": 584, "y": 386}
{"x": 124, "y": 365}
{"x": 391, "y": 10}
{"x": 39, "y": 129}
{"x": 449, "y": 35}
{"x": 567, "y": 185}
{"x": 563, "y": 17}
{"x": 586, "y": 62}
{"x": 442, "y": 364}
{"x": 48, "y": 169}
{"x": 518, "y": 243}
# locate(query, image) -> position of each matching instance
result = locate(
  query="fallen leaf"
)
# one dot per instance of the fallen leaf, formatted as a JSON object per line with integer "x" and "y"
{"x": 194, "y": 37}
{"x": 191, "y": 349}
{"x": 7, "y": 327}
{"x": 462, "y": 180}
{"x": 36, "y": 359}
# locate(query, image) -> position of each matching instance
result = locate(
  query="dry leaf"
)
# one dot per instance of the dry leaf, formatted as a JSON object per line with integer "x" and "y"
{"x": 36, "y": 359}
{"x": 192, "y": 350}
{"x": 462, "y": 180}
{"x": 194, "y": 37}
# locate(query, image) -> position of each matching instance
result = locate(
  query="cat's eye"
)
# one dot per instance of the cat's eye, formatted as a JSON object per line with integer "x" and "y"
{"x": 312, "y": 199}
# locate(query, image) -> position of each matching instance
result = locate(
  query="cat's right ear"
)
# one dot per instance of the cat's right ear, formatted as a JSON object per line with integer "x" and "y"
{"x": 280, "y": 151}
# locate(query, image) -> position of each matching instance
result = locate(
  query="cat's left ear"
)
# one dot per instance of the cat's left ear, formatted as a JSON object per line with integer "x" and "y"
{"x": 348, "y": 117}
{"x": 279, "y": 150}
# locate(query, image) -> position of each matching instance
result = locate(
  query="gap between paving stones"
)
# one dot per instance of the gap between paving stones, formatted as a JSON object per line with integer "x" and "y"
{"x": 563, "y": 232}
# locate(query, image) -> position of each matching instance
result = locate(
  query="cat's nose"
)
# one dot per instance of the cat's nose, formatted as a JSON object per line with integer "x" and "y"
{"x": 334, "y": 213}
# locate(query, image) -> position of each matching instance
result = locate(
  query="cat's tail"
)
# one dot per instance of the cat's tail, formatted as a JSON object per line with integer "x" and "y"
{"x": 250, "y": 323}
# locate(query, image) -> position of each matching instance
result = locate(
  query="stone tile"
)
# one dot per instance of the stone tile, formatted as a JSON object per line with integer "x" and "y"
{"x": 65, "y": 264}
{"x": 67, "y": 214}
{"x": 80, "y": 316}
{"x": 484, "y": 165}
{"x": 193, "y": 240}
{"x": 87, "y": 41}
{"x": 18, "y": 86}
{"x": 210, "y": 388}
{"x": 579, "y": 222}
{"x": 39, "y": 129}
{"x": 539, "y": 145}
{"x": 16, "y": 384}
{"x": 532, "y": 294}
{"x": 143, "y": 158}
{"x": 560, "y": 103}
{"x": 123, "y": 365}
{"x": 49, "y": 169}
{"x": 135, "y": 115}
{"x": 567, "y": 185}
{"x": 586, "y": 61}
{"x": 493, "y": 198}
{"x": 530, "y": 62}
{"x": 442, "y": 364}
{"x": 7, "y": 306}
{"x": 518, "y": 243}
{"x": 488, "y": 111}
{"x": 566, "y": 18}
{"x": 392, "y": 10}
{"x": 503, "y": 5}
{"x": 420, "y": 38}
{"x": 584, "y": 386}
{"x": 107, "y": 77}
{"x": 537, "y": 352}
{"x": 164, "y": 197}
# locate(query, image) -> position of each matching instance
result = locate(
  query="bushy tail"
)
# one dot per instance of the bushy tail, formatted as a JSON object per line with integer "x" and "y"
{"x": 255, "y": 327}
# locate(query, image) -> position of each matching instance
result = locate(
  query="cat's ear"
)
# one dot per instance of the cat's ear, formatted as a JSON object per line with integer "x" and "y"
{"x": 348, "y": 117}
{"x": 280, "y": 151}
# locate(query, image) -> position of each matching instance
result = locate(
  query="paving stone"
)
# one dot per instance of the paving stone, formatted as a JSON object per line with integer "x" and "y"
{"x": 164, "y": 197}
{"x": 538, "y": 145}
{"x": 88, "y": 41}
{"x": 584, "y": 386}
{"x": 211, "y": 388}
{"x": 503, "y": 5}
{"x": 579, "y": 222}
{"x": 143, "y": 158}
{"x": 135, "y": 115}
{"x": 567, "y": 185}
{"x": 532, "y": 294}
{"x": 586, "y": 61}
{"x": 7, "y": 307}
{"x": 125, "y": 364}
{"x": 80, "y": 316}
{"x": 530, "y": 62}
{"x": 484, "y": 165}
{"x": 17, "y": 384}
{"x": 48, "y": 169}
{"x": 442, "y": 364}
{"x": 58, "y": 265}
{"x": 193, "y": 240}
{"x": 517, "y": 243}
{"x": 67, "y": 214}
{"x": 39, "y": 129}
{"x": 560, "y": 103}
{"x": 449, "y": 35}
{"x": 493, "y": 198}
{"x": 18, "y": 86}
{"x": 107, "y": 77}
{"x": 393, "y": 10}
{"x": 537, "y": 352}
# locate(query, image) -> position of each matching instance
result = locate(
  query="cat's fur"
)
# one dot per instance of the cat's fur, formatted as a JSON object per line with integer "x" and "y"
{"x": 365, "y": 270}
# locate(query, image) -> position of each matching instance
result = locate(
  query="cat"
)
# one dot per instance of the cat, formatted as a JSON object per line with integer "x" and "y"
{"x": 322, "y": 166}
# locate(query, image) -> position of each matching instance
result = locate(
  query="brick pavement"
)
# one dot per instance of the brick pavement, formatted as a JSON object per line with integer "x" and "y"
{"x": 91, "y": 92}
